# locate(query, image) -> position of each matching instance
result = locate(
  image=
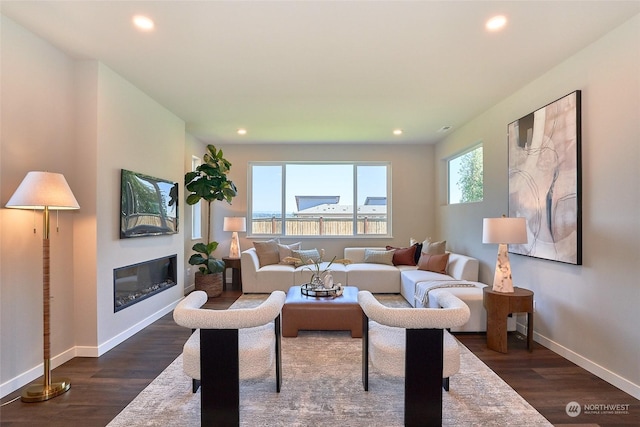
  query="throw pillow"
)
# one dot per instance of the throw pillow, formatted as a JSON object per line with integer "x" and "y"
{"x": 417, "y": 253}
{"x": 436, "y": 263}
{"x": 285, "y": 254}
{"x": 306, "y": 256}
{"x": 434, "y": 248}
{"x": 378, "y": 257}
{"x": 267, "y": 252}
{"x": 403, "y": 256}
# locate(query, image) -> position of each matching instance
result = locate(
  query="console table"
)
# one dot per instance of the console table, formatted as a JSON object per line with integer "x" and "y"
{"x": 236, "y": 273}
{"x": 499, "y": 305}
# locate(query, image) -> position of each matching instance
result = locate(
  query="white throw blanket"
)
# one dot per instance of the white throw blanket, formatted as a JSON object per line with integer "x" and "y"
{"x": 423, "y": 288}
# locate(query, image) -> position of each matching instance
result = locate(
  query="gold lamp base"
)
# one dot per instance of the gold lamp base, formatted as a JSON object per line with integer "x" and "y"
{"x": 40, "y": 393}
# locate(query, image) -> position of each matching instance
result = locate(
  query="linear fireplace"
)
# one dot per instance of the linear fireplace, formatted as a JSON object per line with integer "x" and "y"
{"x": 134, "y": 283}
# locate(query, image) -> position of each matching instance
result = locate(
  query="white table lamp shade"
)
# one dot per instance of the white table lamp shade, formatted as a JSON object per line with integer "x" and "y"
{"x": 504, "y": 230}
{"x": 43, "y": 189}
{"x": 234, "y": 223}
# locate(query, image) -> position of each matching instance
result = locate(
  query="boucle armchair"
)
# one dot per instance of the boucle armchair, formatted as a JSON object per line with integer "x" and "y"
{"x": 413, "y": 342}
{"x": 226, "y": 346}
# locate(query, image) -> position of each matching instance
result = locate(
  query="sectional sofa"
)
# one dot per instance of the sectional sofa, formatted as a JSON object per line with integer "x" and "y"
{"x": 413, "y": 283}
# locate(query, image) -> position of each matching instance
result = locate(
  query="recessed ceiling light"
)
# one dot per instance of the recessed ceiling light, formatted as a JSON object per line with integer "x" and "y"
{"x": 397, "y": 131}
{"x": 143, "y": 23}
{"x": 496, "y": 23}
{"x": 242, "y": 131}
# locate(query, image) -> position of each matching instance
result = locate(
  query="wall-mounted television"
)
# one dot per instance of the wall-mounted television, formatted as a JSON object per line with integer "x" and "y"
{"x": 148, "y": 205}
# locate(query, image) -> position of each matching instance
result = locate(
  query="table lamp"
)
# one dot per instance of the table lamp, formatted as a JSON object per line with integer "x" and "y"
{"x": 44, "y": 191}
{"x": 503, "y": 231}
{"x": 234, "y": 224}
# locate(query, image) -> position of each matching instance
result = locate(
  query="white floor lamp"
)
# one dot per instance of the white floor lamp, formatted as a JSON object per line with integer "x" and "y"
{"x": 44, "y": 191}
{"x": 504, "y": 231}
{"x": 234, "y": 224}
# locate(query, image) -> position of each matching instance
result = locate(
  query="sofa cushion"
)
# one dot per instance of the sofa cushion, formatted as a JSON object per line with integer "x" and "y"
{"x": 436, "y": 263}
{"x": 378, "y": 257}
{"x": 268, "y": 252}
{"x": 377, "y": 278}
{"x": 284, "y": 252}
{"x": 403, "y": 256}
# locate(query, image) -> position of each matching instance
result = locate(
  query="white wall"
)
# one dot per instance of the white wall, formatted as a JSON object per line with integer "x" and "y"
{"x": 412, "y": 189}
{"x": 37, "y": 125}
{"x": 193, "y": 147}
{"x": 586, "y": 313}
{"x": 82, "y": 119}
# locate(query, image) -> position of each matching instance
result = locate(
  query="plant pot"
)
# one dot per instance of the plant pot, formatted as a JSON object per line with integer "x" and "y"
{"x": 210, "y": 283}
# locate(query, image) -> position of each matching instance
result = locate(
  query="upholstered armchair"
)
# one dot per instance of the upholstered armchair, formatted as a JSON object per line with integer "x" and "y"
{"x": 226, "y": 346}
{"x": 414, "y": 343}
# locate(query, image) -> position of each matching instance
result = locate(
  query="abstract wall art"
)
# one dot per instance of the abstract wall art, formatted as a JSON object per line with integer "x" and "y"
{"x": 545, "y": 180}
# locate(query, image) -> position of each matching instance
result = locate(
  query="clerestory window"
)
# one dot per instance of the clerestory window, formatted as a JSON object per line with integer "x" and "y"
{"x": 466, "y": 176}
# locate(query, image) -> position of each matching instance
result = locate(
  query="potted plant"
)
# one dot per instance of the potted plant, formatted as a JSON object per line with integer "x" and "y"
{"x": 209, "y": 182}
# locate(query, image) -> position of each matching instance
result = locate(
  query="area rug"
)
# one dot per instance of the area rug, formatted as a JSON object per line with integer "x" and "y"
{"x": 322, "y": 387}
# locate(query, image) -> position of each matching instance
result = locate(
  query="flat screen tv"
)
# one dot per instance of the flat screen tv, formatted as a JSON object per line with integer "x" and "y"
{"x": 148, "y": 205}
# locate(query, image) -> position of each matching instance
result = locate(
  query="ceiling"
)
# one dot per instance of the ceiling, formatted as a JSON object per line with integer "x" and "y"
{"x": 323, "y": 71}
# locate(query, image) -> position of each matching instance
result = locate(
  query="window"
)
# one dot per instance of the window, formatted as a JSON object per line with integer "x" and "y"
{"x": 317, "y": 199}
{"x": 196, "y": 210}
{"x": 465, "y": 177}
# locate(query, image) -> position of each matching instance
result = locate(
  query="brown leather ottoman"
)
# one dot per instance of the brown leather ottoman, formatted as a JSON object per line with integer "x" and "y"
{"x": 341, "y": 313}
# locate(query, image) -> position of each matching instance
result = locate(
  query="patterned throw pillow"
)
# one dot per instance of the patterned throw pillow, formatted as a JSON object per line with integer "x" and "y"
{"x": 306, "y": 255}
{"x": 267, "y": 252}
{"x": 378, "y": 257}
{"x": 403, "y": 256}
{"x": 436, "y": 263}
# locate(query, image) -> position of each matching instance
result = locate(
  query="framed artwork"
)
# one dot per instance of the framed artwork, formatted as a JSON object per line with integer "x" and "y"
{"x": 545, "y": 180}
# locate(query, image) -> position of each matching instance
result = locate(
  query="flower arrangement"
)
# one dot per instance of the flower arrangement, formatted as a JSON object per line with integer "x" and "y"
{"x": 319, "y": 274}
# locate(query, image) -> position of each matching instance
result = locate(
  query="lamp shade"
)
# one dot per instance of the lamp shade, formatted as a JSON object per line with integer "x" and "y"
{"x": 234, "y": 223}
{"x": 504, "y": 230}
{"x": 43, "y": 189}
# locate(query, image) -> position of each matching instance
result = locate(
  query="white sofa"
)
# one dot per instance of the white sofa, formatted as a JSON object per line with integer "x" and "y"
{"x": 377, "y": 278}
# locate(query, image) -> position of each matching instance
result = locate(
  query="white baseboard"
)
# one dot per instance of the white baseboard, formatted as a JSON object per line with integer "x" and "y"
{"x": 81, "y": 351}
{"x": 34, "y": 373}
{"x": 597, "y": 370}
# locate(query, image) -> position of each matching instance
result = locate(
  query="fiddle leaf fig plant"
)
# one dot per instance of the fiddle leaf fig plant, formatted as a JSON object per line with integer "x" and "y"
{"x": 209, "y": 182}
{"x": 204, "y": 258}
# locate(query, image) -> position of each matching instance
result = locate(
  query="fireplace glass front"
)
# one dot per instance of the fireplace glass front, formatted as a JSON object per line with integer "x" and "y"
{"x": 137, "y": 282}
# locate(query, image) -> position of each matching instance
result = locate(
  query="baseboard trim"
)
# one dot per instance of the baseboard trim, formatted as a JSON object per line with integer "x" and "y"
{"x": 81, "y": 351}
{"x": 34, "y": 373}
{"x": 597, "y": 370}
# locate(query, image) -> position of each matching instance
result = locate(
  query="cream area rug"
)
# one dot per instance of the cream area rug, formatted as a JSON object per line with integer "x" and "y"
{"x": 321, "y": 386}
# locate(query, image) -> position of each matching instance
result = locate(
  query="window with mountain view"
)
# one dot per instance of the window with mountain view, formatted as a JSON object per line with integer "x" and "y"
{"x": 319, "y": 199}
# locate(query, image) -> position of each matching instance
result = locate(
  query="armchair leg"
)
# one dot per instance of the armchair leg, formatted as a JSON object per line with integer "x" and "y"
{"x": 423, "y": 381}
{"x": 365, "y": 352}
{"x": 445, "y": 383}
{"x": 278, "y": 353}
{"x": 195, "y": 385}
{"x": 220, "y": 388}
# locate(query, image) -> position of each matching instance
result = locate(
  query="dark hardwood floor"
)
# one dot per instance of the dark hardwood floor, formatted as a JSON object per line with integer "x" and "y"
{"x": 102, "y": 387}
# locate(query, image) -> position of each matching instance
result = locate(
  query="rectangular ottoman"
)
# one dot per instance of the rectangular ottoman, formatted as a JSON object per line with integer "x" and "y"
{"x": 301, "y": 312}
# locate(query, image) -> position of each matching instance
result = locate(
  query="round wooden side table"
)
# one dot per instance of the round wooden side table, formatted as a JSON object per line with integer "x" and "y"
{"x": 499, "y": 305}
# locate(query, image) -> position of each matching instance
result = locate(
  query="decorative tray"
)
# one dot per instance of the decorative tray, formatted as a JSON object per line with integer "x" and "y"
{"x": 317, "y": 291}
